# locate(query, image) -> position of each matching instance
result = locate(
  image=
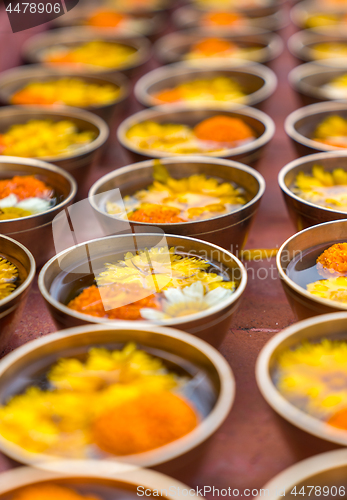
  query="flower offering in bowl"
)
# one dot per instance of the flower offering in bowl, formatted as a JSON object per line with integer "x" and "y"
{"x": 147, "y": 396}
{"x": 262, "y": 6}
{"x": 17, "y": 271}
{"x": 197, "y": 86}
{"x": 82, "y": 50}
{"x": 301, "y": 373}
{"x": 210, "y": 199}
{"x": 38, "y": 85}
{"x": 310, "y": 46}
{"x": 198, "y": 48}
{"x": 32, "y": 193}
{"x": 176, "y": 130}
{"x": 312, "y": 267}
{"x": 69, "y": 138}
{"x": 315, "y": 188}
{"x": 167, "y": 284}
{"x": 319, "y": 17}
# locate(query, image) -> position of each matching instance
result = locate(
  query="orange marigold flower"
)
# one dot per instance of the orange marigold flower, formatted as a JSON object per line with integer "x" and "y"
{"x": 24, "y": 186}
{"x": 156, "y": 215}
{"x": 169, "y": 95}
{"x": 144, "y": 423}
{"x": 51, "y": 492}
{"x": 222, "y": 18}
{"x": 339, "y": 419}
{"x": 105, "y": 19}
{"x": 213, "y": 46}
{"x": 333, "y": 261}
{"x": 222, "y": 128}
{"x": 91, "y": 302}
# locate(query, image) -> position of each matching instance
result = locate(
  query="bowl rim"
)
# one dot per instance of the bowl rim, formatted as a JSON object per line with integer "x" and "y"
{"x": 46, "y": 39}
{"x": 39, "y": 72}
{"x": 308, "y": 112}
{"x": 66, "y": 112}
{"x": 175, "y": 322}
{"x": 147, "y": 114}
{"x": 33, "y": 162}
{"x": 170, "y": 451}
{"x": 297, "y": 44}
{"x": 31, "y": 274}
{"x": 177, "y": 69}
{"x": 297, "y": 75}
{"x": 273, "y": 44}
{"x": 297, "y": 288}
{"x": 187, "y": 159}
{"x": 300, "y": 161}
{"x": 279, "y": 403}
{"x": 298, "y": 472}
{"x": 65, "y": 469}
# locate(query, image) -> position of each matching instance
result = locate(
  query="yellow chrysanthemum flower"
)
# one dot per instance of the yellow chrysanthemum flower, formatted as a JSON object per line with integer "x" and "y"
{"x": 332, "y": 289}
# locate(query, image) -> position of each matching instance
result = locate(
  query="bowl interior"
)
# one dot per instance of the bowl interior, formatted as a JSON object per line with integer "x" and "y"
{"x": 17, "y": 256}
{"x": 312, "y": 84}
{"x": 307, "y": 125}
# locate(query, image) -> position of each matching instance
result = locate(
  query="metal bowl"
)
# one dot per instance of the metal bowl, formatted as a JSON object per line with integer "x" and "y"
{"x": 211, "y": 325}
{"x": 90, "y": 477}
{"x": 258, "y": 82}
{"x": 213, "y": 393}
{"x": 303, "y": 213}
{"x": 191, "y": 17}
{"x": 35, "y": 48}
{"x": 330, "y": 326}
{"x": 327, "y": 470}
{"x": 171, "y": 48}
{"x": 12, "y": 306}
{"x": 261, "y": 123}
{"x": 301, "y": 124}
{"x": 301, "y": 44}
{"x": 15, "y": 79}
{"x": 302, "y": 12}
{"x": 304, "y": 304}
{"x": 229, "y": 231}
{"x": 79, "y": 164}
{"x": 308, "y": 79}
{"x": 35, "y": 231}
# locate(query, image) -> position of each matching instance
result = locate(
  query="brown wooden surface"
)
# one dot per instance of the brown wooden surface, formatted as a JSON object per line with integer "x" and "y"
{"x": 254, "y": 444}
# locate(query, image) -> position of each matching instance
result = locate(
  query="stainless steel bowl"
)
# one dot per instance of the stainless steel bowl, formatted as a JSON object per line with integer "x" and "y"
{"x": 257, "y": 81}
{"x": 108, "y": 478}
{"x": 12, "y": 306}
{"x": 35, "y": 231}
{"x": 327, "y": 470}
{"x": 229, "y": 231}
{"x": 331, "y": 326}
{"x": 308, "y": 79}
{"x": 171, "y": 48}
{"x": 13, "y": 80}
{"x": 301, "y": 44}
{"x": 191, "y": 17}
{"x": 211, "y": 325}
{"x": 301, "y": 124}
{"x": 78, "y": 164}
{"x": 261, "y": 123}
{"x": 303, "y": 11}
{"x": 303, "y": 213}
{"x": 36, "y": 47}
{"x": 185, "y": 353}
{"x": 304, "y": 304}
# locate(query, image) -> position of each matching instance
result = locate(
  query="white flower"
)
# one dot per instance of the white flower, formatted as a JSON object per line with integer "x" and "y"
{"x": 186, "y": 301}
{"x": 10, "y": 201}
{"x": 34, "y": 205}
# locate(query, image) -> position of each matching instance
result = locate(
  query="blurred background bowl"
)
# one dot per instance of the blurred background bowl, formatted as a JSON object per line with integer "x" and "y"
{"x": 303, "y": 303}
{"x": 260, "y": 8}
{"x": 329, "y": 326}
{"x": 301, "y": 124}
{"x": 36, "y": 47}
{"x": 249, "y": 153}
{"x": 301, "y": 44}
{"x": 74, "y": 267}
{"x": 308, "y": 81}
{"x": 257, "y": 81}
{"x": 228, "y": 231}
{"x": 11, "y": 307}
{"x": 213, "y": 392}
{"x": 303, "y": 12}
{"x": 303, "y": 213}
{"x": 13, "y": 80}
{"x": 35, "y": 231}
{"x": 172, "y": 48}
{"x": 80, "y": 163}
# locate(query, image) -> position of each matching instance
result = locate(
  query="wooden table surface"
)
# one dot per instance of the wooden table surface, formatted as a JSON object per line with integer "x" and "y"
{"x": 254, "y": 444}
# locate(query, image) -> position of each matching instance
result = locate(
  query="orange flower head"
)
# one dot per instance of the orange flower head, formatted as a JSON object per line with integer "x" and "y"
{"x": 51, "y": 492}
{"x": 339, "y": 419}
{"x": 223, "y": 129}
{"x": 333, "y": 261}
{"x": 24, "y": 186}
{"x": 213, "y": 46}
{"x": 144, "y": 423}
{"x": 222, "y": 18}
{"x": 169, "y": 95}
{"x": 157, "y": 214}
{"x": 105, "y": 19}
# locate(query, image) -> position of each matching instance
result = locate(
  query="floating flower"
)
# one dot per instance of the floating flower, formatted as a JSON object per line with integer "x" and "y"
{"x": 223, "y": 129}
{"x": 332, "y": 131}
{"x": 210, "y": 48}
{"x": 224, "y": 19}
{"x": 51, "y": 491}
{"x": 189, "y": 300}
{"x": 314, "y": 376}
{"x": 333, "y": 261}
{"x": 8, "y": 278}
{"x": 331, "y": 289}
{"x": 337, "y": 88}
{"x": 339, "y": 419}
{"x": 329, "y": 50}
